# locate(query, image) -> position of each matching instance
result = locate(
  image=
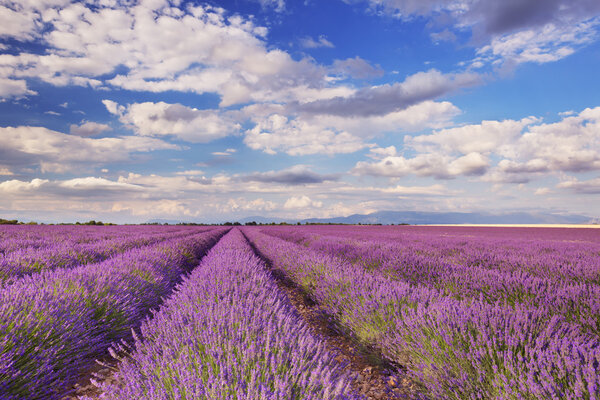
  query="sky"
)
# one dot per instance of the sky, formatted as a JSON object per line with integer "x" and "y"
{"x": 134, "y": 110}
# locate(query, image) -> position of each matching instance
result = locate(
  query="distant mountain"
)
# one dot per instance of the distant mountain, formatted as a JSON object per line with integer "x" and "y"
{"x": 424, "y": 218}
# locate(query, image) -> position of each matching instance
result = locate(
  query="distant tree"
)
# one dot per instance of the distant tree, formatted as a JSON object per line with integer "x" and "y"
{"x": 93, "y": 222}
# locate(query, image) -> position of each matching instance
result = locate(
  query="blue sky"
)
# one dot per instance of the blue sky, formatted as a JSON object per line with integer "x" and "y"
{"x": 127, "y": 111}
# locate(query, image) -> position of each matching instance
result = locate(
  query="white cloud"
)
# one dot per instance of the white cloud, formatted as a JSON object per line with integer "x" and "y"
{"x": 540, "y": 45}
{"x": 382, "y": 152}
{"x": 17, "y": 186}
{"x": 14, "y": 88}
{"x": 87, "y": 128}
{"x": 416, "y": 190}
{"x": 18, "y": 24}
{"x": 384, "y": 99}
{"x": 95, "y": 184}
{"x": 241, "y": 204}
{"x": 277, "y": 5}
{"x": 310, "y": 43}
{"x": 193, "y": 172}
{"x": 189, "y": 195}
{"x": 113, "y": 107}
{"x": 214, "y": 53}
{"x": 58, "y": 152}
{"x": 301, "y": 202}
{"x": 185, "y": 123}
{"x": 303, "y": 134}
{"x": 437, "y": 165}
{"x": 297, "y": 137}
{"x": 428, "y": 114}
{"x": 526, "y": 148}
{"x": 484, "y": 137}
{"x": 356, "y": 68}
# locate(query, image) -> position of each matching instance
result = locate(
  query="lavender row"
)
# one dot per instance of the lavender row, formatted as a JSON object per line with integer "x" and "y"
{"x": 537, "y": 251}
{"x": 228, "y": 333}
{"x": 69, "y": 255}
{"x": 453, "y": 348}
{"x": 476, "y": 268}
{"x": 17, "y": 237}
{"x": 54, "y": 324}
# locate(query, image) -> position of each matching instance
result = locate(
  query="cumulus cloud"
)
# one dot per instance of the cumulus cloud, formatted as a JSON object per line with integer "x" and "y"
{"x": 577, "y": 137}
{"x": 525, "y": 148}
{"x": 275, "y": 130}
{"x": 301, "y": 202}
{"x": 437, "y": 165}
{"x": 215, "y": 52}
{"x": 186, "y": 123}
{"x": 381, "y": 100}
{"x": 14, "y": 88}
{"x": 88, "y": 128}
{"x": 54, "y": 151}
{"x": 296, "y": 136}
{"x": 295, "y": 175}
{"x": 546, "y": 44}
{"x": 484, "y": 137}
{"x": 18, "y": 22}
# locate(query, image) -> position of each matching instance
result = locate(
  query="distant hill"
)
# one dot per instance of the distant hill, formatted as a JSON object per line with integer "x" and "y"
{"x": 419, "y": 218}
{"x": 423, "y": 218}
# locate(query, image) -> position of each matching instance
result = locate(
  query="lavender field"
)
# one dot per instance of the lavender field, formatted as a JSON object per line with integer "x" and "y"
{"x": 299, "y": 312}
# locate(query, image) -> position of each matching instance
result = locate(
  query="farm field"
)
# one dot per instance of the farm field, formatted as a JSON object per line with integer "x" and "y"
{"x": 300, "y": 312}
